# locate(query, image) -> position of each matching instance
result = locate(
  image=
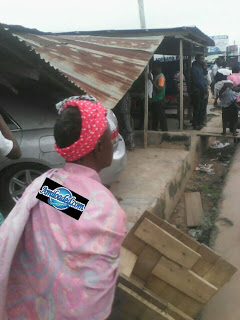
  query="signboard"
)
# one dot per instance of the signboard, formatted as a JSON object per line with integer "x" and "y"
{"x": 221, "y": 44}
{"x": 232, "y": 50}
{"x": 167, "y": 58}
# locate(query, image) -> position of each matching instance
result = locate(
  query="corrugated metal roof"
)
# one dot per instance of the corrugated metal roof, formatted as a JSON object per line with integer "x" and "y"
{"x": 11, "y": 49}
{"x": 105, "y": 67}
{"x": 191, "y": 32}
{"x": 106, "y": 63}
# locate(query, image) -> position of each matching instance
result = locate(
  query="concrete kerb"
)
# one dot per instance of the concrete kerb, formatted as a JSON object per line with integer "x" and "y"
{"x": 164, "y": 206}
{"x": 155, "y": 178}
{"x": 161, "y": 139}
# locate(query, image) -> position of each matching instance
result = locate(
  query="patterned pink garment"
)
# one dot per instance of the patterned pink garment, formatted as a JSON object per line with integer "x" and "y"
{"x": 61, "y": 268}
{"x": 235, "y": 78}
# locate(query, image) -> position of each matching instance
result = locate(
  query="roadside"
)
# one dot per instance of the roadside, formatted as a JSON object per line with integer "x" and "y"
{"x": 225, "y": 305}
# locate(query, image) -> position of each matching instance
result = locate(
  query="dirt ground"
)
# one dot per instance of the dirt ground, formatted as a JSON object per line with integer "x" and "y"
{"x": 210, "y": 185}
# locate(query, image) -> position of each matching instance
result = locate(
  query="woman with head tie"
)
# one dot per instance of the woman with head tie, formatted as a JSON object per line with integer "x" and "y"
{"x": 53, "y": 266}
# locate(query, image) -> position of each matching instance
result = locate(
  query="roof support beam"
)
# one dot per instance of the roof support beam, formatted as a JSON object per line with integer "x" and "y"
{"x": 181, "y": 85}
{"x": 191, "y": 41}
{"x": 146, "y": 107}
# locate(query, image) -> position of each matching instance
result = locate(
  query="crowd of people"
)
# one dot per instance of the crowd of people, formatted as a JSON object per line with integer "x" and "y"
{"x": 197, "y": 81}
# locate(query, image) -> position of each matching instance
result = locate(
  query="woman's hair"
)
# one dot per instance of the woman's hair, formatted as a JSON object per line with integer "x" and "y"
{"x": 219, "y": 77}
{"x": 236, "y": 68}
{"x": 68, "y": 127}
{"x": 157, "y": 64}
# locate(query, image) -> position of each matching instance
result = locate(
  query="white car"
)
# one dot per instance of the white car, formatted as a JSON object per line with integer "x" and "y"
{"x": 34, "y": 131}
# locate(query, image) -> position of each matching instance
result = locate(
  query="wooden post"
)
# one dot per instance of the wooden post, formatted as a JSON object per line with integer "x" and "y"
{"x": 142, "y": 14}
{"x": 181, "y": 85}
{"x": 146, "y": 107}
{"x": 204, "y": 52}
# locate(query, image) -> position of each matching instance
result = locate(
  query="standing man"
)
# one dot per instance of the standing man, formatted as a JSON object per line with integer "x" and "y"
{"x": 199, "y": 90}
{"x": 158, "y": 105}
{"x": 8, "y": 146}
{"x": 123, "y": 114}
{"x": 206, "y": 96}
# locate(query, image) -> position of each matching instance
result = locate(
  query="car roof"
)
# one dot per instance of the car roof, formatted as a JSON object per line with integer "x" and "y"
{"x": 30, "y": 113}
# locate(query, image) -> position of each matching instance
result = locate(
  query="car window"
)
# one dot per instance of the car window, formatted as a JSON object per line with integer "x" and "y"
{"x": 13, "y": 126}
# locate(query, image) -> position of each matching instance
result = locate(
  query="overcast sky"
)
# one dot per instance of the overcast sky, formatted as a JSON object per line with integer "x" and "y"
{"x": 213, "y": 17}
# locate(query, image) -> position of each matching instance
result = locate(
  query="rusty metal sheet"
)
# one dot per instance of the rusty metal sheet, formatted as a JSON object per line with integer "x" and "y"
{"x": 105, "y": 67}
{"x": 17, "y": 59}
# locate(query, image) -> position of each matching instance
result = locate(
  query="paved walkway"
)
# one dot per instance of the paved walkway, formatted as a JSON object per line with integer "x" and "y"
{"x": 148, "y": 174}
{"x": 226, "y": 304}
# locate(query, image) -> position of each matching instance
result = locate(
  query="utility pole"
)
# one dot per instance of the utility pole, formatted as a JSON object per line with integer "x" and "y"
{"x": 142, "y": 14}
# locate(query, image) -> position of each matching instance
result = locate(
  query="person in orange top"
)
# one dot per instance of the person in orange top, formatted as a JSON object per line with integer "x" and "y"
{"x": 158, "y": 105}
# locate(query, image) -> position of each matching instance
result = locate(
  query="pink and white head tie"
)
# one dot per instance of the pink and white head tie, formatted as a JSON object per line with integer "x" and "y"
{"x": 94, "y": 123}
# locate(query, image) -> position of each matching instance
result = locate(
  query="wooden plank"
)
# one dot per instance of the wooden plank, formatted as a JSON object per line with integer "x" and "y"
{"x": 211, "y": 130}
{"x": 127, "y": 261}
{"x": 166, "y": 226}
{"x": 184, "y": 280}
{"x": 149, "y": 314}
{"x": 128, "y": 303}
{"x": 166, "y": 244}
{"x": 176, "y": 313}
{"x": 194, "y": 209}
{"x": 212, "y": 134}
{"x": 138, "y": 280}
{"x": 220, "y": 273}
{"x": 135, "y": 306}
{"x": 152, "y": 298}
{"x": 204, "y": 264}
{"x": 172, "y": 295}
{"x": 117, "y": 314}
{"x": 146, "y": 261}
{"x": 133, "y": 243}
{"x": 201, "y": 267}
{"x": 189, "y": 242}
{"x": 175, "y": 297}
{"x": 208, "y": 254}
{"x": 180, "y": 235}
{"x": 190, "y": 306}
{"x": 155, "y": 284}
{"x": 142, "y": 291}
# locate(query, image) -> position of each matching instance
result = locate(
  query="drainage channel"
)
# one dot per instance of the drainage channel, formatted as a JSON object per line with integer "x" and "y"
{"x": 208, "y": 179}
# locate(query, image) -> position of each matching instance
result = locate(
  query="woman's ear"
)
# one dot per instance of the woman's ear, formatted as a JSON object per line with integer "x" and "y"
{"x": 99, "y": 146}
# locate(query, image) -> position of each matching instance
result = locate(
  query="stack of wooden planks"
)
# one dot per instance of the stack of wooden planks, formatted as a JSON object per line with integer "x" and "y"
{"x": 165, "y": 274}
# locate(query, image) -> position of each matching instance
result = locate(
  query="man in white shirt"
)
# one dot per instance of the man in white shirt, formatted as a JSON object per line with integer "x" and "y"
{"x": 8, "y": 146}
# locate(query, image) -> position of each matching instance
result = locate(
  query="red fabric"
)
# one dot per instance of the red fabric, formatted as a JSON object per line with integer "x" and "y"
{"x": 94, "y": 124}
